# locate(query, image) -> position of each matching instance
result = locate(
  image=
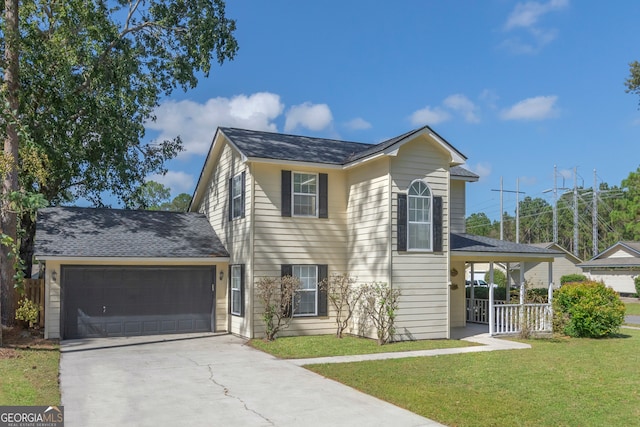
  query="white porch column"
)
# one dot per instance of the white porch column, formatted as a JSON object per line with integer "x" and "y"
{"x": 491, "y": 309}
{"x": 550, "y": 264}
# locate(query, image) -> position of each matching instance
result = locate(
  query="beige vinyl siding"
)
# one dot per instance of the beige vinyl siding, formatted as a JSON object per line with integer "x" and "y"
{"x": 296, "y": 240}
{"x": 235, "y": 235}
{"x": 458, "y": 208}
{"x": 537, "y": 275}
{"x": 52, "y": 304}
{"x": 368, "y": 222}
{"x": 422, "y": 277}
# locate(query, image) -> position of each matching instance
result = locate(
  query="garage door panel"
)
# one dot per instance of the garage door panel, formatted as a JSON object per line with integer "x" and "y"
{"x": 104, "y": 301}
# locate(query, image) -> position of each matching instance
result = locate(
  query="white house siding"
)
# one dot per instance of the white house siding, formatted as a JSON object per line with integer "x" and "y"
{"x": 235, "y": 235}
{"x": 422, "y": 277}
{"x": 368, "y": 222}
{"x": 619, "y": 253}
{"x": 296, "y": 240}
{"x": 620, "y": 280}
{"x": 458, "y": 208}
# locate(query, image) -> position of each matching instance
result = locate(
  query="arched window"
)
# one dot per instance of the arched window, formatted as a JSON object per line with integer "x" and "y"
{"x": 420, "y": 218}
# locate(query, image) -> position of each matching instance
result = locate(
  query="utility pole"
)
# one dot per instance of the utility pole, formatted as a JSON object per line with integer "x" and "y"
{"x": 555, "y": 204}
{"x": 502, "y": 191}
{"x": 594, "y": 213}
{"x": 576, "y": 250}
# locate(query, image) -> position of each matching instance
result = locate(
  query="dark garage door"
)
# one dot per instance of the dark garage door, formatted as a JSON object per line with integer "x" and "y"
{"x": 127, "y": 301}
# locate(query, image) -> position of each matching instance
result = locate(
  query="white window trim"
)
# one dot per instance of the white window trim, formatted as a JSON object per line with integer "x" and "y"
{"x": 236, "y": 198}
{"x": 294, "y": 194}
{"x": 236, "y": 271}
{"x": 316, "y": 290}
{"x": 409, "y": 222}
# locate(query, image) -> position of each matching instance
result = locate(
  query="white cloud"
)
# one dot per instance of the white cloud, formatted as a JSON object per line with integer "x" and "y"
{"x": 196, "y": 123}
{"x": 537, "y": 108}
{"x": 358, "y": 124}
{"x": 429, "y": 116}
{"x": 481, "y": 169}
{"x": 314, "y": 117}
{"x": 178, "y": 182}
{"x": 526, "y": 16}
{"x": 464, "y": 106}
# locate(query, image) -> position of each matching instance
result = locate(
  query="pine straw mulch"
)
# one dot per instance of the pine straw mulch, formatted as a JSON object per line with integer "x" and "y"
{"x": 16, "y": 338}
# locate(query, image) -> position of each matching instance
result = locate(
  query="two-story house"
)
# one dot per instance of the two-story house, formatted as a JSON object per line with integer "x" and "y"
{"x": 278, "y": 204}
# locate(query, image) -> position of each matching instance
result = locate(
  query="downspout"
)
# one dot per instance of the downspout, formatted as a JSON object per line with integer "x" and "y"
{"x": 448, "y": 252}
{"x": 252, "y": 228}
{"x": 390, "y": 239}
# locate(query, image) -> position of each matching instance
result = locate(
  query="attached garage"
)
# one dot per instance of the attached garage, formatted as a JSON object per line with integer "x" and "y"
{"x": 617, "y": 267}
{"x": 100, "y": 301}
{"x": 118, "y": 273}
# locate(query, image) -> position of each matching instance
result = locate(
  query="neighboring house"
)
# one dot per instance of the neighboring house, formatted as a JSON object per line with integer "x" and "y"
{"x": 616, "y": 266}
{"x": 392, "y": 212}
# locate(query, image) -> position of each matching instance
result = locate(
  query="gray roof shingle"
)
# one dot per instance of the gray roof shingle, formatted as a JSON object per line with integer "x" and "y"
{"x": 99, "y": 232}
{"x": 471, "y": 243}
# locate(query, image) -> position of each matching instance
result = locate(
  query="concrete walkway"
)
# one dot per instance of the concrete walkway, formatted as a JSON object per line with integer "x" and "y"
{"x": 486, "y": 342}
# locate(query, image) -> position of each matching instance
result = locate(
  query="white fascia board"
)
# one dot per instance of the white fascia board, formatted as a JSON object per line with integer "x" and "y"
{"x": 463, "y": 178}
{"x": 134, "y": 260}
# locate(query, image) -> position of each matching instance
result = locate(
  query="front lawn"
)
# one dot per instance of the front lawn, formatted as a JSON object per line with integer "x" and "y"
{"x": 329, "y": 345}
{"x": 633, "y": 308}
{"x": 28, "y": 370}
{"x": 559, "y": 382}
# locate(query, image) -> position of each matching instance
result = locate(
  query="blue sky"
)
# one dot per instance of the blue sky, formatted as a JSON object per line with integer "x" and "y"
{"x": 518, "y": 87}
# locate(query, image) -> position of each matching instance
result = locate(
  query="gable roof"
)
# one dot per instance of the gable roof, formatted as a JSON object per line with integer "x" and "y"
{"x": 115, "y": 233}
{"x": 603, "y": 260}
{"x": 557, "y": 247}
{"x": 277, "y": 146}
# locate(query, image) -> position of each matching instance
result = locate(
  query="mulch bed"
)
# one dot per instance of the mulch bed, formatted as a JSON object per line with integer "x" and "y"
{"x": 18, "y": 338}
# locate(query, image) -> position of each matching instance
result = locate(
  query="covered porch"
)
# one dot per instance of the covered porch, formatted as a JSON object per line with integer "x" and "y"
{"x": 492, "y": 307}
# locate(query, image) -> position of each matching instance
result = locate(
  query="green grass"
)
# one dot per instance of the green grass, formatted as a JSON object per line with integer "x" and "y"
{"x": 633, "y": 308}
{"x": 329, "y": 345}
{"x": 559, "y": 382}
{"x": 31, "y": 378}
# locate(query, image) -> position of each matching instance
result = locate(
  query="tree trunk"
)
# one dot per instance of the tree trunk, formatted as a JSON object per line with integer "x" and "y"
{"x": 8, "y": 219}
{"x": 27, "y": 243}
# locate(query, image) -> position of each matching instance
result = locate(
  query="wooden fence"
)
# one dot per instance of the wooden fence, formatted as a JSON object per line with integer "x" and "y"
{"x": 34, "y": 291}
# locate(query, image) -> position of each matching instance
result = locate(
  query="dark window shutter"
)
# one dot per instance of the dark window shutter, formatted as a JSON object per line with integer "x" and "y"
{"x": 228, "y": 289}
{"x": 287, "y": 270}
{"x": 402, "y": 222}
{"x": 242, "y": 198}
{"x": 230, "y": 198}
{"x": 323, "y": 274}
{"x": 286, "y": 193}
{"x": 437, "y": 224}
{"x": 323, "y": 199}
{"x": 242, "y": 290}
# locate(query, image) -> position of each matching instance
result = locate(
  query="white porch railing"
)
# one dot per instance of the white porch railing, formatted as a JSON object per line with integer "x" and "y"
{"x": 506, "y": 319}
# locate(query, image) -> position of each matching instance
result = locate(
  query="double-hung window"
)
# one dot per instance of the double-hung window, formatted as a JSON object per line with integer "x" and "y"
{"x": 420, "y": 231}
{"x": 237, "y": 184}
{"x": 236, "y": 290}
{"x": 305, "y": 302}
{"x": 305, "y": 194}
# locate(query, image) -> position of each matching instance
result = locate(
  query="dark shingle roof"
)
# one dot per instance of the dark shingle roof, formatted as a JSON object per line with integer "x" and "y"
{"x": 617, "y": 262}
{"x": 464, "y": 173}
{"x": 277, "y": 146}
{"x": 90, "y": 232}
{"x": 471, "y": 243}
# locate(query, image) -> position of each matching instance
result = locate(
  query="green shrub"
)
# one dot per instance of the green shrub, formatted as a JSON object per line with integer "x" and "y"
{"x": 27, "y": 311}
{"x": 483, "y": 293}
{"x": 573, "y": 278}
{"x": 637, "y": 282}
{"x": 587, "y": 309}
{"x": 537, "y": 295}
{"x": 499, "y": 278}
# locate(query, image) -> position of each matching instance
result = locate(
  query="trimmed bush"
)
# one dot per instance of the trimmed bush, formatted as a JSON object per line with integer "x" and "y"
{"x": 587, "y": 309}
{"x": 573, "y": 278}
{"x": 483, "y": 293}
{"x": 637, "y": 282}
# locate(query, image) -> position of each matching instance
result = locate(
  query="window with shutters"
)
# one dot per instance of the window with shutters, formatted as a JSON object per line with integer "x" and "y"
{"x": 306, "y": 301}
{"x": 419, "y": 217}
{"x": 305, "y": 194}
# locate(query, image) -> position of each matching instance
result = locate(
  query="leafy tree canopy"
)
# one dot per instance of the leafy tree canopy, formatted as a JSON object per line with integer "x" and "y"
{"x": 92, "y": 73}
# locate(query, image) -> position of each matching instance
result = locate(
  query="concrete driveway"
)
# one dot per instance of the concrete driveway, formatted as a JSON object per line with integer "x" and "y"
{"x": 206, "y": 381}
